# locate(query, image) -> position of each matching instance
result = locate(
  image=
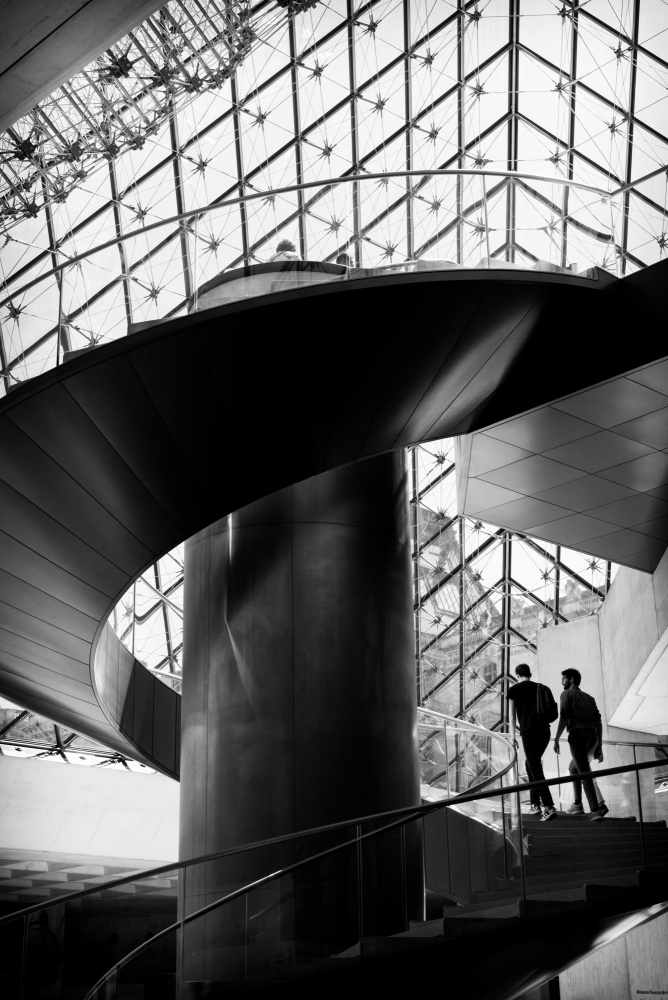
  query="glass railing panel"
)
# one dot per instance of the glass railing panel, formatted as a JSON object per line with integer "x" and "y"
{"x": 12, "y": 966}
{"x": 151, "y": 975}
{"x": 301, "y": 922}
{"x": 474, "y": 855}
{"x": 653, "y": 794}
{"x": 355, "y": 899}
{"x": 65, "y": 947}
{"x": 456, "y": 756}
{"x": 59, "y": 316}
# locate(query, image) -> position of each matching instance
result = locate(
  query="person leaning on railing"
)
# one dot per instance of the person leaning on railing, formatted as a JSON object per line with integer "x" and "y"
{"x": 579, "y": 714}
{"x": 286, "y": 250}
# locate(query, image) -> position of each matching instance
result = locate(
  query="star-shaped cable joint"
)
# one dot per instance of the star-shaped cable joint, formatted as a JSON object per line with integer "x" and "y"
{"x": 428, "y": 58}
{"x": 14, "y": 311}
{"x": 379, "y": 104}
{"x": 317, "y": 71}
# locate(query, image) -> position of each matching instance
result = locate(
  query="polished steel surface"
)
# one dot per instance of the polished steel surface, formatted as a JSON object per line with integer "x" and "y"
{"x": 298, "y": 701}
{"x": 92, "y": 491}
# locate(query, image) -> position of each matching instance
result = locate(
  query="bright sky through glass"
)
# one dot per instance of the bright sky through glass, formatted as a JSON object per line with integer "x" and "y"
{"x": 188, "y": 110}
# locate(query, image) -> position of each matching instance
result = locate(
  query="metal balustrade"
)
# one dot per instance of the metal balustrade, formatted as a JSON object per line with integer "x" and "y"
{"x": 193, "y": 260}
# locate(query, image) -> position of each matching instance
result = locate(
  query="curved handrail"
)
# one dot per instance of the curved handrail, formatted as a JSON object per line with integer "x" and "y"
{"x": 409, "y": 811}
{"x": 202, "y": 858}
{"x": 477, "y": 730}
{"x": 245, "y": 848}
{"x": 634, "y": 743}
{"x": 288, "y": 869}
{"x": 465, "y": 724}
{"x": 294, "y": 189}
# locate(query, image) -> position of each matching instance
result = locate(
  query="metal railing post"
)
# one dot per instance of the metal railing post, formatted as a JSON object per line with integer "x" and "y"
{"x": 424, "y": 871}
{"x": 404, "y": 880}
{"x": 183, "y": 874}
{"x": 484, "y": 200}
{"x": 612, "y": 236}
{"x": 505, "y": 838}
{"x": 640, "y": 814}
{"x": 447, "y": 757}
{"x": 522, "y": 870}
{"x": 59, "y": 338}
{"x": 195, "y": 272}
{"x": 246, "y": 940}
{"x": 24, "y": 957}
{"x": 360, "y": 902}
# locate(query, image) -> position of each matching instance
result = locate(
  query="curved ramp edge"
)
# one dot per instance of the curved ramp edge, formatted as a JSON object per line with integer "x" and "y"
{"x": 114, "y": 458}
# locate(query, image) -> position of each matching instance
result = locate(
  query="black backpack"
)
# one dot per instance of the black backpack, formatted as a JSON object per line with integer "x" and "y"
{"x": 546, "y": 706}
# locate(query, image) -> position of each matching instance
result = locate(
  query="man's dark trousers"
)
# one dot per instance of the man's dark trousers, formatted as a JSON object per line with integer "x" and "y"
{"x": 535, "y": 743}
{"x": 583, "y": 743}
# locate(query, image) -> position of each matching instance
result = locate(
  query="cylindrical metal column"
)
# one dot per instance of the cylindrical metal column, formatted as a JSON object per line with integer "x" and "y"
{"x": 299, "y": 683}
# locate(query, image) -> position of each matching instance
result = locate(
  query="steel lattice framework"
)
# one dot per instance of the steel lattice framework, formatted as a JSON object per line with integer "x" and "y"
{"x": 210, "y": 100}
{"x": 25, "y": 735}
{"x": 482, "y": 593}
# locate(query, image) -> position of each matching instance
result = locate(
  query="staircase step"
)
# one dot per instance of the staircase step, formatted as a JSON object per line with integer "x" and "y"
{"x": 564, "y": 890}
{"x": 477, "y": 908}
{"x": 577, "y": 822}
{"x": 602, "y": 857}
{"x": 571, "y": 877}
{"x": 556, "y": 872}
{"x": 575, "y": 845}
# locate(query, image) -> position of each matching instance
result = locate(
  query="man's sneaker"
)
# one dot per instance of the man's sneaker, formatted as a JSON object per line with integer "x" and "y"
{"x": 535, "y": 810}
{"x": 575, "y": 810}
{"x": 548, "y": 814}
{"x": 599, "y": 813}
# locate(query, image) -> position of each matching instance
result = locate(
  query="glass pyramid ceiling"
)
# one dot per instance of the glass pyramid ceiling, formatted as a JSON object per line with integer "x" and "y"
{"x": 208, "y": 100}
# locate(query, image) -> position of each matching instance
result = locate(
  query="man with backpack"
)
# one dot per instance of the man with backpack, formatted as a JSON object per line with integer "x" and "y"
{"x": 534, "y": 708}
{"x": 580, "y": 715}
